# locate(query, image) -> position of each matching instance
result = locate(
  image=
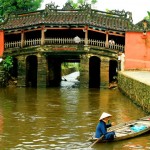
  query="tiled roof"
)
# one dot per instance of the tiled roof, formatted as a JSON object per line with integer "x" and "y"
{"x": 50, "y": 16}
{"x": 143, "y": 24}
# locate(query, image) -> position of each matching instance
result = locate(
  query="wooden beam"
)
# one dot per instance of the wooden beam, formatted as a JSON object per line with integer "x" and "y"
{"x": 100, "y": 31}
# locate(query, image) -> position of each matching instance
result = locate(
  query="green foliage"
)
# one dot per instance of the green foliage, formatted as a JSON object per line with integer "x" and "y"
{"x": 9, "y": 6}
{"x": 70, "y": 65}
{"x": 148, "y": 16}
{"x": 7, "y": 64}
{"x": 80, "y": 2}
{"x": 93, "y": 1}
{"x": 148, "y": 13}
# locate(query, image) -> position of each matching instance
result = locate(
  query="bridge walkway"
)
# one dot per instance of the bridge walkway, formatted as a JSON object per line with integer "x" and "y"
{"x": 141, "y": 76}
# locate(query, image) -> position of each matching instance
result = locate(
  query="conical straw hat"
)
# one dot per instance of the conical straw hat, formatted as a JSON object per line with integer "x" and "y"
{"x": 104, "y": 115}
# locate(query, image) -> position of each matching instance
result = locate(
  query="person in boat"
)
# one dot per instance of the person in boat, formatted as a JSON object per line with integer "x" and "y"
{"x": 102, "y": 126}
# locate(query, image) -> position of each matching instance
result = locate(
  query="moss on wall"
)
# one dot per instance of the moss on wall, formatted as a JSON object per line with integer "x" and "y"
{"x": 137, "y": 91}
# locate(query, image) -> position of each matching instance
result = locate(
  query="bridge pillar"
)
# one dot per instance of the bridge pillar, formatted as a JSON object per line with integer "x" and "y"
{"x": 104, "y": 71}
{"x": 41, "y": 71}
{"x": 84, "y": 71}
{"x": 21, "y": 71}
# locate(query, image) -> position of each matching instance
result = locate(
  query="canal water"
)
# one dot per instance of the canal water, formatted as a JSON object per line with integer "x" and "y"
{"x": 63, "y": 118}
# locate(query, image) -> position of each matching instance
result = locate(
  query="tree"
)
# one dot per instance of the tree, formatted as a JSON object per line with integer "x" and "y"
{"x": 7, "y": 65}
{"x": 148, "y": 16}
{"x": 9, "y": 6}
{"x": 81, "y": 2}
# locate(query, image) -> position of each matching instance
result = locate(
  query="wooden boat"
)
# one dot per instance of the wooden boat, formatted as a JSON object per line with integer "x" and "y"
{"x": 128, "y": 130}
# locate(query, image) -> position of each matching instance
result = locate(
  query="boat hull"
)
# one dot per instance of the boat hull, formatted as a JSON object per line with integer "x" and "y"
{"x": 128, "y": 130}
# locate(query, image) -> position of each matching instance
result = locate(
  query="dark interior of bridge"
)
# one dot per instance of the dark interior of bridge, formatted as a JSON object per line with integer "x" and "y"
{"x": 94, "y": 72}
{"x": 70, "y": 32}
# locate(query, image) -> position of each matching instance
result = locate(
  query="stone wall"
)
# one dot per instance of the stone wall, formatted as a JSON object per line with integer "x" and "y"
{"x": 84, "y": 71}
{"x": 41, "y": 71}
{"x": 104, "y": 71}
{"x": 1, "y": 76}
{"x": 137, "y": 91}
{"x": 21, "y": 71}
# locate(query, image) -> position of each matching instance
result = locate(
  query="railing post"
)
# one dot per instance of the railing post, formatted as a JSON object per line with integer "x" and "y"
{"x": 86, "y": 38}
{"x": 43, "y": 35}
{"x": 22, "y": 38}
{"x": 86, "y": 35}
{"x": 106, "y": 44}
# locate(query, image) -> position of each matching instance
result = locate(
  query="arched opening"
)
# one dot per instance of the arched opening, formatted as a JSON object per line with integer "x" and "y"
{"x": 70, "y": 73}
{"x": 94, "y": 72}
{"x": 113, "y": 72}
{"x": 31, "y": 71}
{"x": 14, "y": 70}
{"x": 61, "y": 70}
{"x": 53, "y": 71}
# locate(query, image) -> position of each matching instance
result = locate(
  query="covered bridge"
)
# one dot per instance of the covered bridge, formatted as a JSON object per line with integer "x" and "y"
{"x": 40, "y": 41}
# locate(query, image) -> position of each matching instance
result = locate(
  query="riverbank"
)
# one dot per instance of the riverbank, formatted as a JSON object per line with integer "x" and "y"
{"x": 136, "y": 85}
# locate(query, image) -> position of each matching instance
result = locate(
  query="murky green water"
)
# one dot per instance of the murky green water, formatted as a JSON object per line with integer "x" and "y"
{"x": 62, "y": 118}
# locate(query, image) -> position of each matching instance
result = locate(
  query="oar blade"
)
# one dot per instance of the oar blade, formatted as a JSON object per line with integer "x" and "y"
{"x": 96, "y": 141}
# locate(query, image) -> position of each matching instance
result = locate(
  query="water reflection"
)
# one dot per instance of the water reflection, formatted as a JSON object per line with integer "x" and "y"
{"x": 70, "y": 80}
{"x": 1, "y": 122}
{"x": 63, "y": 118}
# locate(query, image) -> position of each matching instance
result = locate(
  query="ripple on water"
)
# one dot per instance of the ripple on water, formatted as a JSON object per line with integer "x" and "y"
{"x": 37, "y": 140}
{"x": 56, "y": 118}
{"x": 132, "y": 146}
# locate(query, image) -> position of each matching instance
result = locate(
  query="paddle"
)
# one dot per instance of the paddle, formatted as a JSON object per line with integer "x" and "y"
{"x": 148, "y": 119}
{"x": 96, "y": 141}
{"x": 123, "y": 132}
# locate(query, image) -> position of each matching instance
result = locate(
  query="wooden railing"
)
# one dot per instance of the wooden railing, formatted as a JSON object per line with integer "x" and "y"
{"x": 116, "y": 46}
{"x": 12, "y": 44}
{"x": 96, "y": 43}
{"x": 103, "y": 44}
{"x": 51, "y": 41}
{"x": 61, "y": 41}
{"x": 32, "y": 42}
